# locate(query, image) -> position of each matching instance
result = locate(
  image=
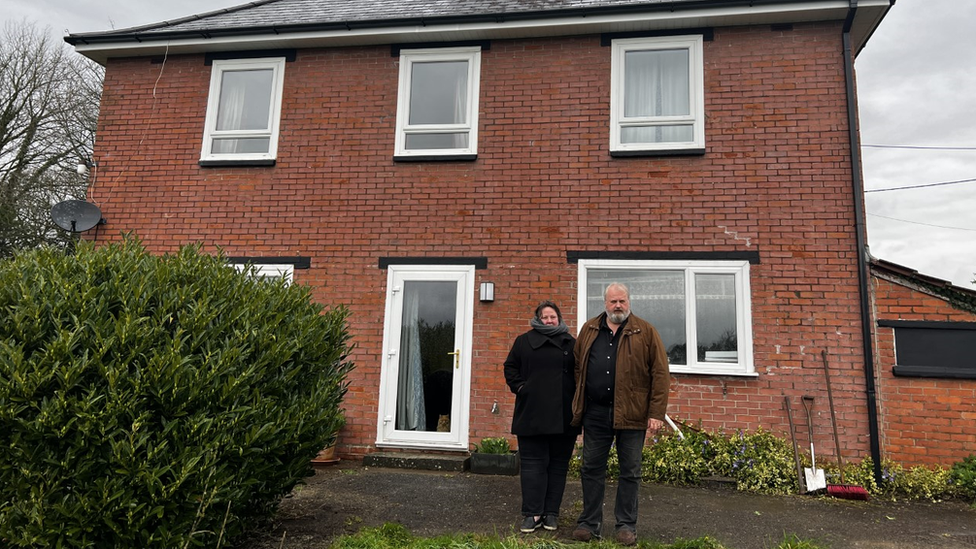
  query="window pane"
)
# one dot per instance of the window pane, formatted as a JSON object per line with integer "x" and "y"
{"x": 657, "y": 134}
{"x": 656, "y": 83}
{"x": 715, "y": 304}
{"x": 439, "y": 93}
{"x": 656, "y": 296}
{"x": 437, "y": 141}
{"x": 245, "y": 145}
{"x": 245, "y": 100}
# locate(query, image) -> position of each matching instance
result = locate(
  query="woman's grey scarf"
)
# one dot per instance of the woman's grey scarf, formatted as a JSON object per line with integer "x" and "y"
{"x": 550, "y": 331}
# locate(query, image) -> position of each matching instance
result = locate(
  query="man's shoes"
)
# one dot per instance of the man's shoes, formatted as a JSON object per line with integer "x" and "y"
{"x": 582, "y": 534}
{"x": 626, "y": 537}
{"x": 531, "y": 524}
{"x": 549, "y": 522}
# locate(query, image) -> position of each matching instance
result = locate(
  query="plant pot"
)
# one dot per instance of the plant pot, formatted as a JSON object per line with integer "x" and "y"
{"x": 495, "y": 464}
{"x": 326, "y": 456}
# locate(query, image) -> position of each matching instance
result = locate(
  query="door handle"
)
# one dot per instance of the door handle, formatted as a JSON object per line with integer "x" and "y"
{"x": 457, "y": 358}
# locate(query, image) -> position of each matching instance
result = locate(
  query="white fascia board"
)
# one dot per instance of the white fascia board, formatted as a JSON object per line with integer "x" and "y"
{"x": 826, "y": 10}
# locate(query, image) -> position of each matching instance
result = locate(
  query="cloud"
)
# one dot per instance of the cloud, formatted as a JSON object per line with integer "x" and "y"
{"x": 915, "y": 82}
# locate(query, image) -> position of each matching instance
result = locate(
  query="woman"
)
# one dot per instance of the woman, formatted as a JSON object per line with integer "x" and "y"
{"x": 539, "y": 370}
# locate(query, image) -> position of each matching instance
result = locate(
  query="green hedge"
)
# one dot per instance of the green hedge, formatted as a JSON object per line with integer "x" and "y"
{"x": 156, "y": 401}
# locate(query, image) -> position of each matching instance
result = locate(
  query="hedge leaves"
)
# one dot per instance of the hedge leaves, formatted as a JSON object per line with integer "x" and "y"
{"x": 151, "y": 401}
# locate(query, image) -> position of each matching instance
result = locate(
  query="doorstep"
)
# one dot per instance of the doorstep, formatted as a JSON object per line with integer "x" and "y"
{"x": 391, "y": 460}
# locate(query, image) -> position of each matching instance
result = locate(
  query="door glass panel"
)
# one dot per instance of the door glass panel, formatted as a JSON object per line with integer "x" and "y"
{"x": 427, "y": 346}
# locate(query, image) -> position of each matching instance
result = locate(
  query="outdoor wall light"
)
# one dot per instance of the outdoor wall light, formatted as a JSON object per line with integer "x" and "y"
{"x": 487, "y": 292}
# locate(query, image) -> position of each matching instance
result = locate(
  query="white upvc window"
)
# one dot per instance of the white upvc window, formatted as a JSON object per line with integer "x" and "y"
{"x": 244, "y": 109}
{"x": 657, "y": 100}
{"x": 437, "y": 102}
{"x": 283, "y": 271}
{"x": 702, "y": 309}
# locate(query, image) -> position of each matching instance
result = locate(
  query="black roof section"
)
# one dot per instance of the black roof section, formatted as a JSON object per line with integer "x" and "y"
{"x": 957, "y": 296}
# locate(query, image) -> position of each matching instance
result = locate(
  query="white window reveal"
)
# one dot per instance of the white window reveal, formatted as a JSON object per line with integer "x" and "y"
{"x": 283, "y": 271}
{"x": 657, "y": 94}
{"x": 244, "y": 110}
{"x": 437, "y": 102}
{"x": 701, "y": 308}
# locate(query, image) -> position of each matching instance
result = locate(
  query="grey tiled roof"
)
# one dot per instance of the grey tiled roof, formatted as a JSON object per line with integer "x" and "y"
{"x": 330, "y": 23}
{"x": 292, "y": 13}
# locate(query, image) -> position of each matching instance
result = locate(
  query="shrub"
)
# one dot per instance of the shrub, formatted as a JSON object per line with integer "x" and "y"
{"x": 759, "y": 462}
{"x": 862, "y": 474}
{"x": 151, "y": 401}
{"x": 491, "y": 445}
{"x": 679, "y": 461}
{"x": 963, "y": 478}
{"x": 923, "y": 483}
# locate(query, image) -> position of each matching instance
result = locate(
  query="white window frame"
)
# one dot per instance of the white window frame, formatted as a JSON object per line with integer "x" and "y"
{"x": 403, "y": 128}
{"x": 277, "y": 65}
{"x": 285, "y": 270}
{"x": 696, "y": 100}
{"x": 744, "y": 366}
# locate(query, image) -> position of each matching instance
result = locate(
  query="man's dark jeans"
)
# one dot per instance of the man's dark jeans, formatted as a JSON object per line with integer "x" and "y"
{"x": 544, "y": 463}
{"x": 598, "y": 436}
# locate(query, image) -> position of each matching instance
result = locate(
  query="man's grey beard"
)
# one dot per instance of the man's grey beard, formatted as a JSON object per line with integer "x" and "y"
{"x": 618, "y": 318}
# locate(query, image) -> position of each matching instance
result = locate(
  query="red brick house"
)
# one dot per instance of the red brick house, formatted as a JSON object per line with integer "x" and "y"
{"x": 925, "y": 336}
{"x": 442, "y": 167}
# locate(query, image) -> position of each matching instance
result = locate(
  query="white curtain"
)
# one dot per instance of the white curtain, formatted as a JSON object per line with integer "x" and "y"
{"x": 656, "y": 84}
{"x": 461, "y": 106}
{"x": 230, "y": 113}
{"x": 410, "y": 385}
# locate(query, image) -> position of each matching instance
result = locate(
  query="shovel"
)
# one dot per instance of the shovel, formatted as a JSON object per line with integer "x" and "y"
{"x": 815, "y": 478}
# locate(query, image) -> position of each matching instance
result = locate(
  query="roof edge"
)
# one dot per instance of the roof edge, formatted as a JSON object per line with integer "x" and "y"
{"x": 150, "y": 40}
{"x": 957, "y": 296}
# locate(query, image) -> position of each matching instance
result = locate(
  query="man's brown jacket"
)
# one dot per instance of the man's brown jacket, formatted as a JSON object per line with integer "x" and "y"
{"x": 642, "y": 379}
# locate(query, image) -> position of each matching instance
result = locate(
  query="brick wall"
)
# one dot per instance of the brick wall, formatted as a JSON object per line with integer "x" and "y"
{"x": 924, "y": 421}
{"x": 776, "y": 179}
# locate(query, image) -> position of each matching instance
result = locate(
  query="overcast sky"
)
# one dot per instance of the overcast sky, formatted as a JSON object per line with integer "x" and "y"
{"x": 917, "y": 95}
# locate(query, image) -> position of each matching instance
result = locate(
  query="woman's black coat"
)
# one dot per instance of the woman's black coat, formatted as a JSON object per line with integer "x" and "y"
{"x": 539, "y": 370}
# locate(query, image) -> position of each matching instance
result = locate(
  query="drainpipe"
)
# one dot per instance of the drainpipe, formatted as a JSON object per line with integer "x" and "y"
{"x": 862, "y": 249}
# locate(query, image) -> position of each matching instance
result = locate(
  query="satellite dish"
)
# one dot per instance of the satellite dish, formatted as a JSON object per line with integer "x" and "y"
{"x": 76, "y": 216}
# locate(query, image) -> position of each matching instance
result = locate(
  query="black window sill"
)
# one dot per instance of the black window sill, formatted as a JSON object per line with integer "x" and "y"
{"x": 437, "y": 158}
{"x": 935, "y": 372}
{"x": 235, "y": 163}
{"x": 667, "y": 152}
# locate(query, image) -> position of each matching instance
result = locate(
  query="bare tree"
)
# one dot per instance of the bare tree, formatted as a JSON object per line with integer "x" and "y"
{"x": 49, "y": 99}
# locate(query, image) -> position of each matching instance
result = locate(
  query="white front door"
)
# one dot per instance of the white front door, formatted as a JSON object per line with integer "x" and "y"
{"x": 426, "y": 373}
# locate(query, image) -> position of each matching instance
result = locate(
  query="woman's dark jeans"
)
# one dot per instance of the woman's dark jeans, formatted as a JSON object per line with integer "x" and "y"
{"x": 598, "y": 436}
{"x": 544, "y": 462}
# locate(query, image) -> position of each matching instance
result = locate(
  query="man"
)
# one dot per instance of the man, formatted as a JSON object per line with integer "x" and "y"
{"x": 622, "y": 384}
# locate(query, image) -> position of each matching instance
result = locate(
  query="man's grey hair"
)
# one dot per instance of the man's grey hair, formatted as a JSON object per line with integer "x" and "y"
{"x": 618, "y": 286}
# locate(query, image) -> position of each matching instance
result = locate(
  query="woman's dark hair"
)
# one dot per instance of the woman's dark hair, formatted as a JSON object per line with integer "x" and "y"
{"x": 551, "y": 305}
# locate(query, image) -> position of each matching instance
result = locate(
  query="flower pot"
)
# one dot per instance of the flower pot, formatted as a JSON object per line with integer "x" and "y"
{"x": 326, "y": 456}
{"x": 495, "y": 464}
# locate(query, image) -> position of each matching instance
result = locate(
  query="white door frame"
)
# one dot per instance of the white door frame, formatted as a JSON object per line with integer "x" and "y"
{"x": 386, "y": 433}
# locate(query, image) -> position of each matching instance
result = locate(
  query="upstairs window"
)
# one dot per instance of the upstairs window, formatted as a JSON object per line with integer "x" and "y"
{"x": 657, "y": 95}
{"x": 437, "y": 103}
{"x": 243, "y": 110}
{"x": 701, "y": 309}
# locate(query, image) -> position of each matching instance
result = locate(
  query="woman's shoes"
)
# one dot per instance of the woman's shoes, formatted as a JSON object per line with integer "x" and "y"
{"x": 531, "y": 524}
